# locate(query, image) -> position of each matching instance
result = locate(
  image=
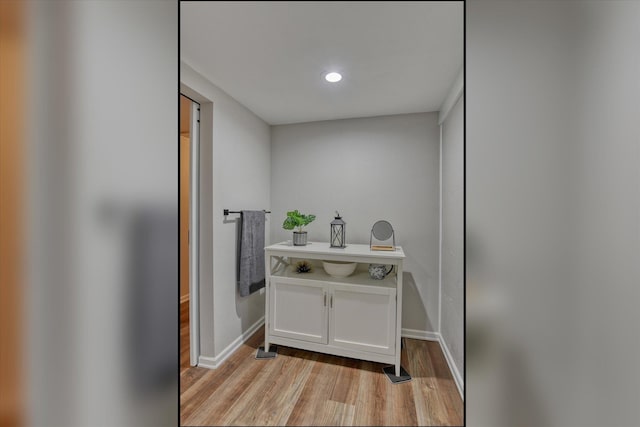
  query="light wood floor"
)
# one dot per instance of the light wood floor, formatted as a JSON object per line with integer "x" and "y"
{"x": 305, "y": 388}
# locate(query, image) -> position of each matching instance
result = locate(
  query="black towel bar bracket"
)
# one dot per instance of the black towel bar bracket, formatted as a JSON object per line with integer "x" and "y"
{"x": 227, "y": 212}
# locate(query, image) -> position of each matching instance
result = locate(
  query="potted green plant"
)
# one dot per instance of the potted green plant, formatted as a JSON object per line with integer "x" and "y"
{"x": 297, "y": 220}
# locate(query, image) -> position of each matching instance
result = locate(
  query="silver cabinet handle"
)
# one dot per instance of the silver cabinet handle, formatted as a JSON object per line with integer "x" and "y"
{"x": 325, "y": 299}
{"x": 331, "y": 301}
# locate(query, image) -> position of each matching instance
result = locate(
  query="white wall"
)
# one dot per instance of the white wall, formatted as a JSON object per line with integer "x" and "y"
{"x": 368, "y": 169}
{"x": 553, "y": 212}
{"x": 241, "y": 180}
{"x": 452, "y": 285}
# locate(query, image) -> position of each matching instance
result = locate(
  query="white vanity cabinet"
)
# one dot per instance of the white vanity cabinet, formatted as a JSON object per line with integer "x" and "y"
{"x": 355, "y": 316}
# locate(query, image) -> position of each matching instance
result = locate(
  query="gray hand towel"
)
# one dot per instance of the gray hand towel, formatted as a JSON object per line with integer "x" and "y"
{"x": 251, "y": 262}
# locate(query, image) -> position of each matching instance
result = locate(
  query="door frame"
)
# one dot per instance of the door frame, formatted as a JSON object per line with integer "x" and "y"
{"x": 194, "y": 231}
{"x": 194, "y": 234}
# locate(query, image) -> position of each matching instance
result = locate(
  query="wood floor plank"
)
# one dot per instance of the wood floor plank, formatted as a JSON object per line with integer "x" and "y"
{"x": 192, "y": 399}
{"x": 369, "y": 403}
{"x": 439, "y": 363}
{"x": 218, "y": 402}
{"x": 346, "y": 387}
{"x": 275, "y": 399}
{"x": 401, "y": 408}
{"x": 190, "y": 375}
{"x": 336, "y": 414}
{"x": 310, "y": 407}
{"x": 184, "y": 337}
{"x": 446, "y": 388}
{"x": 422, "y": 373}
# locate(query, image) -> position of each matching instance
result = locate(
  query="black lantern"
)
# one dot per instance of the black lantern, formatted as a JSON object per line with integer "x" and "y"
{"x": 338, "y": 232}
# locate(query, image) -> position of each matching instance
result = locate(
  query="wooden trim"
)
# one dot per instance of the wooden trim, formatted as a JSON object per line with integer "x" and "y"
{"x": 184, "y": 298}
{"x": 13, "y": 50}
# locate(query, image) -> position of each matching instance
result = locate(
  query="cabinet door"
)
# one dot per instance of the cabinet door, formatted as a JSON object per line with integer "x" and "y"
{"x": 298, "y": 309}
{"x": 363, "y": 318}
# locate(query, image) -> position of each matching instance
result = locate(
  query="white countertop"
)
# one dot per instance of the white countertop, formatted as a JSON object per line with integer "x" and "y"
{"x": 323, "y": 248}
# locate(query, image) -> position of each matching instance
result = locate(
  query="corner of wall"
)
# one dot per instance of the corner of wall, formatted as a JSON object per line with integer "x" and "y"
{"x": 457, "y": 377}
{"x": 440, "y": 242}
{"x": 454, "y": 93}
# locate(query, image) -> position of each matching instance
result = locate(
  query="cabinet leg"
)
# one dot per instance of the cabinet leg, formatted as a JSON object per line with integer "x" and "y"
{"x": 266, "y": 347}
{"x": 397, "y": 369}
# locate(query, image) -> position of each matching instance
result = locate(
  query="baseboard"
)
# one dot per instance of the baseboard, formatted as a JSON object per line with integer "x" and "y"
{"x": 420, "y": 335}
{"x": 215, "y": 362}
{"x": 206, "y": 362}
{"x": 452, "y": 367}
{"x": 184, "y": 298}
{"x": 435, "y": 336}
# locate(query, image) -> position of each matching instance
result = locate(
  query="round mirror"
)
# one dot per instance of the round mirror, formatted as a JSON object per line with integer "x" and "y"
{"x": 382, "y": 230}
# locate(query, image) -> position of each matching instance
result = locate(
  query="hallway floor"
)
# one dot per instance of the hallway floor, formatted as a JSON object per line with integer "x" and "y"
{"x": 305, "y": 388}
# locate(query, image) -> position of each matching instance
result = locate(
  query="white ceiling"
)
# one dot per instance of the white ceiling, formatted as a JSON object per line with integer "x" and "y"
{"x": 395, "y": 57}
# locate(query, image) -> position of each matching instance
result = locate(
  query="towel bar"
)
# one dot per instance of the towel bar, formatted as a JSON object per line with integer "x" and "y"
{"x": 227, "y": 212}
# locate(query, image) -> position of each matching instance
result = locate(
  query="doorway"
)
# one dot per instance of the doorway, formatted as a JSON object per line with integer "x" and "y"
{"x": 189, "y": 206}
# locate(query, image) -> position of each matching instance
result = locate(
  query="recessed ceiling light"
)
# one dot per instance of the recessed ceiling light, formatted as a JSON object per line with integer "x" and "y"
{"x": 333, "y": 77}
